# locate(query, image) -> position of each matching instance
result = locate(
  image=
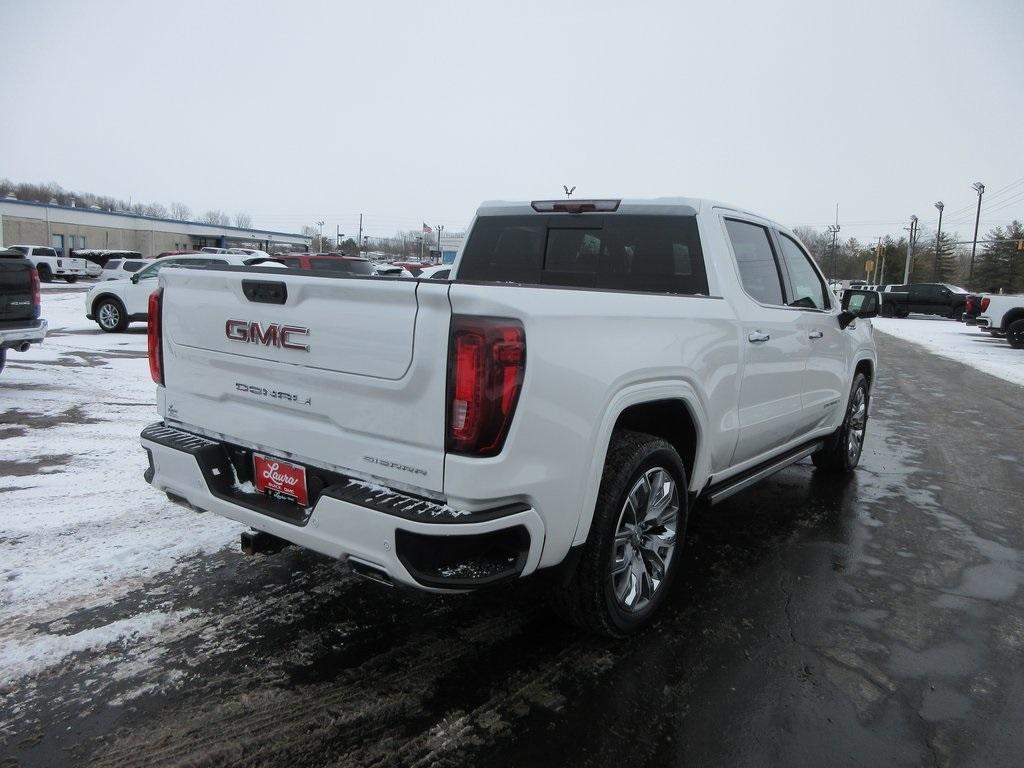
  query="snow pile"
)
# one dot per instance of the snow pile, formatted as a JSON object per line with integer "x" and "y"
{"x": 80, "y": 525}
{"x": 966, "y": 344}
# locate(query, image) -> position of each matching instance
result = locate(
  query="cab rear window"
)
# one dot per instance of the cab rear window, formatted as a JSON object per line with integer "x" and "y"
{"x": 654, "y": 254}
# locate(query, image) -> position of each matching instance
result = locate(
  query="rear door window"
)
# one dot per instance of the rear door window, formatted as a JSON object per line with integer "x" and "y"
{"x": 759, "y": 272}
{"x": 111, "y": 265}
{"x": 808, "y": 288}
{"x": 653, "y": 254}
{"x": 133, "y": 266}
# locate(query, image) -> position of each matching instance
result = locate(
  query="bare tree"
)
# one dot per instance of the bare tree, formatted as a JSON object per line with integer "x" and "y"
{"x": 181, "y": 212}
{"x": 156, "y": 210}
{"x": 215, "y": 217}
{"x": 243, "y": 220}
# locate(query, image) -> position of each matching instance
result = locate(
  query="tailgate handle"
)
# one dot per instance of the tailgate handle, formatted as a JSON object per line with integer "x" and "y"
{"x": 265, "y": 291}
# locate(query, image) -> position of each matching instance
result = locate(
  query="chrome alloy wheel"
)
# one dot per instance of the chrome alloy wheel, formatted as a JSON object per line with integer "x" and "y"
{"x": 858, "y": 421}
{"x": 109, "y": 315}
{"x": 645, "y": 538}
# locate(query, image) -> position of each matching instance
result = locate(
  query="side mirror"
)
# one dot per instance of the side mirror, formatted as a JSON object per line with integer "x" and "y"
{"x": 135, "y": 278}
{"x": 858, "y": 302}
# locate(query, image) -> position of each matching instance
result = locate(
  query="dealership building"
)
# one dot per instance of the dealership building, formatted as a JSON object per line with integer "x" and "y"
{"x": 24, "y": 222}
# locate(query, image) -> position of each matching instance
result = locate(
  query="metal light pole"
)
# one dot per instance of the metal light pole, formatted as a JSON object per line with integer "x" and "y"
{"x": 938, "y": 241}
{"x": 440, "y": 229}
{"x": 320, "y": 237}
{"x": 910, "y": 249}
{"x": 980, "y": 189}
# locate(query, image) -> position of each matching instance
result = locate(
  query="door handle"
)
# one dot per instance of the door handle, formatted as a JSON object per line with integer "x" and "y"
{"x": 758, "y": 338}
{"x": 815, "y": 335}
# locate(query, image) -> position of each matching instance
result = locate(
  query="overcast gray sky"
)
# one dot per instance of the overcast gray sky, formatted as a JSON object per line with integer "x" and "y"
{"x": 410, "y": 112}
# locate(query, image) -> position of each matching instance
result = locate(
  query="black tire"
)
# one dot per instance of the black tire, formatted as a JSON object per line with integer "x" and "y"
{"x": 110, "y": 315}
{"x": 3, "y": 359}
{"x": 70, "y": 278}
{"x": 589, "y": 599}
{"x": 902, "y": 314}
{"x": 956, "y": 312}
{"x": 45, "y": 275}
{"x": 1015, "y": 334}
{"x": 837, "y": 455}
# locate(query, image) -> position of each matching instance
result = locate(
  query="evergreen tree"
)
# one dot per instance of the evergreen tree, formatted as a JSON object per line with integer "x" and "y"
{"x": 999, "y": 266}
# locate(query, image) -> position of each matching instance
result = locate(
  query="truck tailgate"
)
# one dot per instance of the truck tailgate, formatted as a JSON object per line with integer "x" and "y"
{"x": 16, "y": 290}
{"x": 348, "y": 374}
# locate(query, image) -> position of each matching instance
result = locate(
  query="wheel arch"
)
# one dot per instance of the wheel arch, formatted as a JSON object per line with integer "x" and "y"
{"x": 673, "y": 411}
{"x": 96, "y": 302}
{"x": 1012, "y": 316}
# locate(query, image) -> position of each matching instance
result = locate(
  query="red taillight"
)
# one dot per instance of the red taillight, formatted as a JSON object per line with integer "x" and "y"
{"x": 984, "y": 303}
{"x": 154, "y": 337}
{"x": 37, "y": 297}
{"x": 487, "y": 359}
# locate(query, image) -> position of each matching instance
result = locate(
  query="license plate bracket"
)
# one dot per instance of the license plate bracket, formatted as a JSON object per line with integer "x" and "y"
{"x": 280, "y": 479}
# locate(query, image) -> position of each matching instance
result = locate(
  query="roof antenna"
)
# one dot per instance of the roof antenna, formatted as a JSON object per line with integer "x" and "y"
{"x": 568, "y": 191}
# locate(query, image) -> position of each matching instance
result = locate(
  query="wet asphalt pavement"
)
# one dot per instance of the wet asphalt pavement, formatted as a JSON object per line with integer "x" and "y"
{"x": 872, "y": 621}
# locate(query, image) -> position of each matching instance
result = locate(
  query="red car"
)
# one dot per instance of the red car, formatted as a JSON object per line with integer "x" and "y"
{"x": 337, "y": 262}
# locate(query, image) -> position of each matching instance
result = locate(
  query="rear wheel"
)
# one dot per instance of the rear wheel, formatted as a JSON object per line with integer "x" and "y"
{"x": 111, "y": 316}
{"x": 842, "y": 450}
{"x": 1015, "y": 334}
{"x": 70, "y": 278}
{"x": 632, "y": 553}
{"x": 45, "y": 275}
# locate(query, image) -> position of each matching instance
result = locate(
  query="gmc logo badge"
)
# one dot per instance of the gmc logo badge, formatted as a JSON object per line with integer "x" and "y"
{"x": 272, "y": 335}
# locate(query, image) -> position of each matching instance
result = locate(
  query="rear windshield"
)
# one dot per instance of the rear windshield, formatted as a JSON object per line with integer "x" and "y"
{"x": 351, "y": 266}
{"x": 655, "y": 254}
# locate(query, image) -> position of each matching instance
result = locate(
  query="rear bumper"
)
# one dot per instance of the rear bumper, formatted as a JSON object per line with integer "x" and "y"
{"x": 984, "y": 322}
{"x": 413, "y": 541}
{"x": 32, "y": 333}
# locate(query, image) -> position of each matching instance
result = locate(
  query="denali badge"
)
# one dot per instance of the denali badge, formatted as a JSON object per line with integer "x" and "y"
{"x": 273, "y": 335}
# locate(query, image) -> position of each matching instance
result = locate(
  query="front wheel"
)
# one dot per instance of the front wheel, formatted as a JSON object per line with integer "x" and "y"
{"x": 842, "y": 449}
{"x": 631, "y": 556}
{"x": 1015, "y": 334}
{"x": 70, "y": 278}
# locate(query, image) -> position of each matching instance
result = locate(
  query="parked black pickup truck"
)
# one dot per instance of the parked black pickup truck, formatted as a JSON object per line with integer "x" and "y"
{"x": 20, "y": 324}
{"x": 924, "y": 299}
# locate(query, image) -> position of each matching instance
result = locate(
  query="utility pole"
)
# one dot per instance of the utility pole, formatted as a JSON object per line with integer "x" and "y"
{"x": 879, "y": 255}
{"x": 938, "y": 241}
{"x": 980, "y": 189}
{"x": 337, "y": 236}
{"x": 360, "y": 240}
{"x": 320, "y": 237}
{"x": 440, "y": 229}
{"x": 834, "y": 230}
{"x": 910, "y": 249}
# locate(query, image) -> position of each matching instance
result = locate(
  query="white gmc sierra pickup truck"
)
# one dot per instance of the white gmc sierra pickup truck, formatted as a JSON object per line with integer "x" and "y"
{"x": 591, "y": 370}
{"x": 1003, "y": 315}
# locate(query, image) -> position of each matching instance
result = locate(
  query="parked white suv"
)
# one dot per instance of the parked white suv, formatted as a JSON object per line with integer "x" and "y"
{"x": 591, "y": 371}
{"x": 115, "y": 303}
{"x": 50, "y": 265}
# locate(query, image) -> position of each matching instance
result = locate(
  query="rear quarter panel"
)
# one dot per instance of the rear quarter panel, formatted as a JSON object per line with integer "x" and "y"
{"x": 591, "y": 354}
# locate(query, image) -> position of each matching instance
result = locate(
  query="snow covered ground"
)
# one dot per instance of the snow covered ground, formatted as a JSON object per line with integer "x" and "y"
{"x": 79, "y": 525}
{"x": 966, "y": 344}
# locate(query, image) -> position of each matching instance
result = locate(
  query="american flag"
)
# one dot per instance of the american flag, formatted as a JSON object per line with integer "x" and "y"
{"x": 426, "y": 228}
